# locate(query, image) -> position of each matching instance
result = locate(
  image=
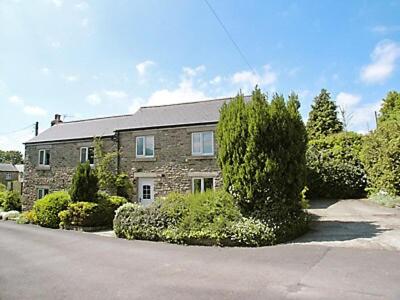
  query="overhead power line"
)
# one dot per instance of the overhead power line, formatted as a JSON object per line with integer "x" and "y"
{"x": 18, "y": 130}
{"x": 230, "y": 37}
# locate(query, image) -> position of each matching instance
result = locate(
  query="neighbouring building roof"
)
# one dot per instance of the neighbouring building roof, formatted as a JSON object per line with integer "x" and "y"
{"x": 189, "y": 113}
{"x": 20, "y": 168}
{"x": 7, "y": 168}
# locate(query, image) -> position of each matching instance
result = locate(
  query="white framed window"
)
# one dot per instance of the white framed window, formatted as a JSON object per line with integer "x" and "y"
{"x": 200, "y": 185}
{"x": 44, "y": 157}
{"x": 203, "y": 143}
{"x": 145, "y": 146}
{"x": 41, "y": 192}
{"x": 8, "y": 176}
{"x": 87, "y": 154}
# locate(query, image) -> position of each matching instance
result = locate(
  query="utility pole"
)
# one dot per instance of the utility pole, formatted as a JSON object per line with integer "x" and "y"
{"x": 376, "y": 119}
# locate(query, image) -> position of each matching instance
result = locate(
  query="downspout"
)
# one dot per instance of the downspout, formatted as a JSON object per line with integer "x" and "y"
{"x": 118, "y": 152}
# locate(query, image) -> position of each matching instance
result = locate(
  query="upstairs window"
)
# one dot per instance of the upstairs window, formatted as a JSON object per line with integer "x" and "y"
{"x": 145, "y": 146}
{"x": 44, "y": 157}
{"x": 203, "y": 143}
{"x": 200, "y": 185}
{"x": 87, "y": 154}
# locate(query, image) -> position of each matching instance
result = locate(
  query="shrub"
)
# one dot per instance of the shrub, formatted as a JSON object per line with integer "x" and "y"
{"x": 123, "y": 185}
{"x": 84, "y": 184}
{"x": 48, "y": 208}
{"x": 210, "y": 218}
{"x": 262, "y": 154}
{"x": 11, "y": 201}
{"x": 383, "y": 198}
{"x": 134, "y": 221}
{"x": 27, "y": 217}
{"x": 381, "y": 158}
{"x": 92, "y": 214}
{"x": 334, "y": 167}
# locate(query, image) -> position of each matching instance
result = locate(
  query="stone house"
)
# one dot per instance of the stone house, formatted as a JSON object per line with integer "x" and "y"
{"x": 8, "y": 175}
{"x": 162, "y": 149}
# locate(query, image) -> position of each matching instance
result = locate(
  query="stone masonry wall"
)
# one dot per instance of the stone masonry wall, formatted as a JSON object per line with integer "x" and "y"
{"x": 64, "y": 158}
{"x": 173, "y": 165}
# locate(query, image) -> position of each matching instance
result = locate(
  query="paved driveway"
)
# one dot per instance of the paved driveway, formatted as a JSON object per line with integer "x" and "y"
{"x": 40, "y": 263}
{"x": 355, "y": 224}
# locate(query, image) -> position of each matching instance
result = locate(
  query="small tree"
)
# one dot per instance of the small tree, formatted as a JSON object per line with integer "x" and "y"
{"x": 84, "y": 184}
{"x": 262, "y": 155}
{"x": 323, "y": 117}
{"x": 390, "y": 108}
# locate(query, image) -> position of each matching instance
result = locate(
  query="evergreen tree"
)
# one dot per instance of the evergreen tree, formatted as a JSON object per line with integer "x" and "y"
{"x": 85, "y": 184}
{"x": 323, "y": 117}
{"x": 390, "y": 108}
{"x": 262, "y": 155}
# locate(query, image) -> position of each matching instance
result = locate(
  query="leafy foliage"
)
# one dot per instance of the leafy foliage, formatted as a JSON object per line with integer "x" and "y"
{"x": 383, "y": 198}
{"x": 48, "y": 208}
{"x": 105, "y": 167}
{"x": 11, "y": 157}
{"x": 390, "y": 110}
{"x": 27, "y": 217}
{"x": 210, "y": 218}
{"x": 84, "y": 184}
{"x": 323, "y": 117}
{"x": 262, "y": 155}
{"x": 124, "y": 186}
{"x": 381, "y": 158}
{"x": 334, "y": 167}
{"x": 10, "y": 200}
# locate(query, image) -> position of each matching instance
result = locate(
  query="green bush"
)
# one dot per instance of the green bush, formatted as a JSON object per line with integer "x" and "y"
{"x": 210, "y": 218}
{"x": 92, "y": 214}
{"x": 10, "y": 200}
{"x": 334, "y": 167}
{"x": 48, "y": 208}
{"x": 262, "y": 154}
{"x": 123, "y": 185}
{"x": 84, "y": 184}
{"x": 381, "y": 158}
{"x": 27, "y": 217}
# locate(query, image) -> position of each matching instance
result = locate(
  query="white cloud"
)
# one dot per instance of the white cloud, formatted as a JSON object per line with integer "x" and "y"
{"x": 216, "y": 80}
{"x": 45, "y": 71}
{"x": 34, "y": 110}
{"x": 191, "y": 72}
{"x": 384, "y": 58}
{"x": 116, "y": 94}
{"x": 15, "y": 100}
{"x": 248, "y": 79}
{"x": 84, "y": 22}
{"x": 93, "y": 99}
{"x": 55, "y": 44}
{"x": 347, "y": 100}
{"x": 144, "y": 66}
{"x": 82, "y": 6}
{"x": 135, "y": 105}
{"x": 363, "y": 117}
{"x": 57, "y": 3}
{"x": 71, "y": 78}
{"x": 382, "y": 29}
{"x": 185, "y": 92}
{"x": 15, "y": 140}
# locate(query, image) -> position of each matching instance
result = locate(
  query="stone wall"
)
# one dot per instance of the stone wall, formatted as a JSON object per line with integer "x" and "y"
{"x": 64, "y": 158}
{"x": 173, "y": 165}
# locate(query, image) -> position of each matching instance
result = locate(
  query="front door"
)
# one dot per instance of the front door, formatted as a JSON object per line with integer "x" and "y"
{"x": 146, "y": 191}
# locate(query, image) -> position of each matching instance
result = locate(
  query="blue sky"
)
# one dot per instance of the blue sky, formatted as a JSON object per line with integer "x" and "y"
{"x": 94, "y": 58}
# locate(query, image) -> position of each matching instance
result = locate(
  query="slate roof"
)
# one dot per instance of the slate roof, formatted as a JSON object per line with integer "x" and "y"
{"x": 189, "y": 113}
{"x": 7, "y": 168}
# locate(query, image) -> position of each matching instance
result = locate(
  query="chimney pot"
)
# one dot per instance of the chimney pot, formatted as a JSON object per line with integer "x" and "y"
{"x": 57, "y": 120}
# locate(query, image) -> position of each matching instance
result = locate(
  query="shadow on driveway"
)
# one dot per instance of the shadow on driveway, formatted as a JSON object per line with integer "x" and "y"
{"x": 332, "y": 230}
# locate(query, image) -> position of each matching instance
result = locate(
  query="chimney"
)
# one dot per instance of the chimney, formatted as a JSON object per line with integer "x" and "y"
{"x": 36, "y": 128}
{"x": 57, "y": 120}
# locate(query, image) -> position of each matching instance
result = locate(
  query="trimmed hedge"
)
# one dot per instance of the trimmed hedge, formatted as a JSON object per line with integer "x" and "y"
{"x": 210, "y": 218}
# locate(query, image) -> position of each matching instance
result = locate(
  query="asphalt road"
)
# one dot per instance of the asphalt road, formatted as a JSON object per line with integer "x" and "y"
{"x": 40, "y": 263}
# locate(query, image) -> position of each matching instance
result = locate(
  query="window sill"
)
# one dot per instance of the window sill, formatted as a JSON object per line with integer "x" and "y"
{"x": 201, "y": 157}
{"x": 43, "y": 168}
{"x": 145, "y": 159}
